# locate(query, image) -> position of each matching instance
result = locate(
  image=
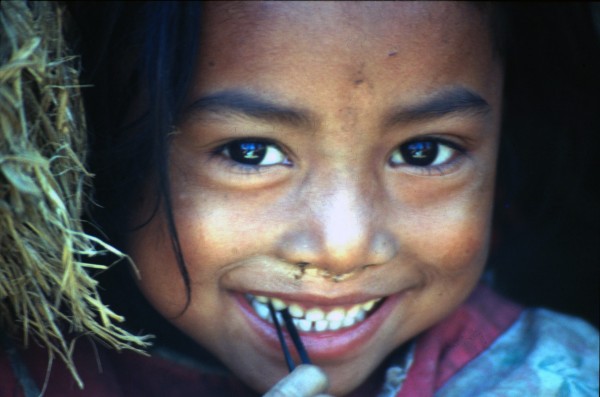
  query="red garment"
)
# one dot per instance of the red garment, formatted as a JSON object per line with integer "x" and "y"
{"x": 124, "y": 374}
{"x": 451, "y": 344}
{"x": 440, "y": 352}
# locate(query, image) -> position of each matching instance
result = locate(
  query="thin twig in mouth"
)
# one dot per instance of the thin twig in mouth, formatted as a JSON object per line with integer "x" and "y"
{"x": 289, "y": 324}
{"x": 293, "y": 332}
{"x": 286, "y": 351}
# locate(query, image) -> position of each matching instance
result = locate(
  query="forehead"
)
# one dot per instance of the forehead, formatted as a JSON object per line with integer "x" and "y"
{"x": 304, "y": 46}
{"x": 354, "y": 21}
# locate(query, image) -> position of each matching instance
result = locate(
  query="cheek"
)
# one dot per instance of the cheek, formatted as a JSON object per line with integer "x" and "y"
{"x": 214, "y": 233}
{"x": 454, "y": 234}
{"x": 159, "y": 278}
{"x": 217, "y": 227}
{"x": 464, "y": 250}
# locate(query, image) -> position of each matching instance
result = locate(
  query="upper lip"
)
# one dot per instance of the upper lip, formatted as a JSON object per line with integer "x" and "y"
{"x": 264, "y": 276}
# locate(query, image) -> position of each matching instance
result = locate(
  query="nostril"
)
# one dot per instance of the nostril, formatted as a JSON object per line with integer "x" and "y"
{"x": 299, "y": 248}
{"x": 365, "y": 267}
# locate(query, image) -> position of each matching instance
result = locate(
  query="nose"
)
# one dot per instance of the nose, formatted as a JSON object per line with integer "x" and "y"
{"x": 339, "y": 227}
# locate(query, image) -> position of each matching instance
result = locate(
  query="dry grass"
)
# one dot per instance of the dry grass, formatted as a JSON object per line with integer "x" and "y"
{"x": 46, "y": 290}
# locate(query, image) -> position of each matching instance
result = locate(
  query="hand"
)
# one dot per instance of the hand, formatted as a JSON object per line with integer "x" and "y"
{"x": 304, "y": 381}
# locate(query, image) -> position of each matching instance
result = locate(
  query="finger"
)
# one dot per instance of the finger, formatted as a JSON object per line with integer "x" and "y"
{"x": 304, "y": 381}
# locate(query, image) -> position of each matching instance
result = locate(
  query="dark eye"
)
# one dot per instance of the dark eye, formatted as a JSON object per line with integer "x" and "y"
{"x": 249, "y": 152}
{"x": 422, "y": 153}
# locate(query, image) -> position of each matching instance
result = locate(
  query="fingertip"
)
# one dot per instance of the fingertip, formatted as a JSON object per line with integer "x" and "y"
{"x": 304, "y": 381}
{"x": 317, "y": 376}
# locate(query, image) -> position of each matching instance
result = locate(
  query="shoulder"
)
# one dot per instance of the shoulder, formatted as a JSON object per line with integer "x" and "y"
{"x": 27, "y": 372}
{"x": 173, "y": 373}
{"x": 542, "y": 353}
{"x": 35, "y": 372}
{"x": 445, "y": 349}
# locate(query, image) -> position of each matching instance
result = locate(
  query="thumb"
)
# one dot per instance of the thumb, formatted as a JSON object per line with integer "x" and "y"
{"x": 304, "y": 381}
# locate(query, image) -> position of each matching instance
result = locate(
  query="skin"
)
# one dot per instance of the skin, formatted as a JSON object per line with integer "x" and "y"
{"x": 336, "y": 202}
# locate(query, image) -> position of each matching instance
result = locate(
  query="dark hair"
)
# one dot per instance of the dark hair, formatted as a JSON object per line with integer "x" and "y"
{"x": 140, "y": 58}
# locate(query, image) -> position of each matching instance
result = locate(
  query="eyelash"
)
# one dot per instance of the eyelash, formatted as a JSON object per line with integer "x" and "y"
{"x": 429, "y": 168}
{"x": 224, "y": 153}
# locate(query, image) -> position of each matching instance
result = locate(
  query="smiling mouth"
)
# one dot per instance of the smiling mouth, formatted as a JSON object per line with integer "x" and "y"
{"x": 315, "y": 319}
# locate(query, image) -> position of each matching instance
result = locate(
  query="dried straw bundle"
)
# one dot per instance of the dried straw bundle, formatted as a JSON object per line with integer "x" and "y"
{"x": 45, "y": 288}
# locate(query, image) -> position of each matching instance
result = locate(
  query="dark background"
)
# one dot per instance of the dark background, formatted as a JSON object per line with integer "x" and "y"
{"x": 547, "y": 213}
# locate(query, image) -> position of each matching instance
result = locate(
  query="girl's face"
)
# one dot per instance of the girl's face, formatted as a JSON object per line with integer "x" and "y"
{"x": 332, "y": 154}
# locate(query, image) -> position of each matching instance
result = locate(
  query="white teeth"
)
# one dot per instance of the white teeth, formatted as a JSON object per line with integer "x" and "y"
{"x": 295, "y": 310}
{"x": 262, "y": 299}
{"x": 261, "y": 309}
{"x": 314, "y": 319}
{"x": 336, "y": 314}
{"x": 353, "y": 311}
{"x": 360, "y": 316}
{"x": 349, "y": 321}
{"x": 369, "y": 305}
{"x": 304, "y": 325}
{"x": 315, "y": 314}
{"x": 321, "y": 325}
{"x": 335, "y": 325}
{"x": 277, "y": 304}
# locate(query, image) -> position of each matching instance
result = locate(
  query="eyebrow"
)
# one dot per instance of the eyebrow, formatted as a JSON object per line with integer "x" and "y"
{"x": 248, "y": 105}
{"x": 452, "y": 102}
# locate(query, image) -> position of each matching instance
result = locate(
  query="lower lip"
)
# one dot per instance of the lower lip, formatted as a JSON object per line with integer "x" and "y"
{"x": 328, "y": 345}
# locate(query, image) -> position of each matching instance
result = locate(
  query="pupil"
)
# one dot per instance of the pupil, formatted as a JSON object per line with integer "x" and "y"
{"x": 420, "y": 153}
{"x": 247, "y": 152}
